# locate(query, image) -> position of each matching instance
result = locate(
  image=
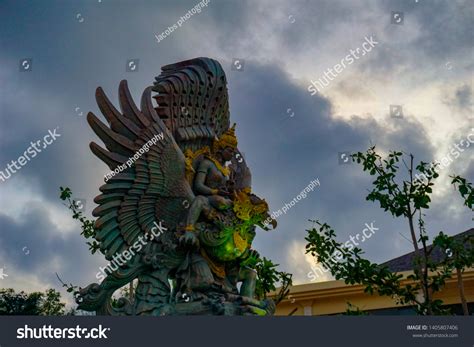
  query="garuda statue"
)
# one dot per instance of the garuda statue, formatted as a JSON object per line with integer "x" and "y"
{"x": 194, "y": 183}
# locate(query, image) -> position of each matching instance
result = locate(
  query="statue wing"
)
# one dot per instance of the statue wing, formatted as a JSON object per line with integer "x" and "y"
{"x": 151, "y": 189}
{"x": 193, "y": 100}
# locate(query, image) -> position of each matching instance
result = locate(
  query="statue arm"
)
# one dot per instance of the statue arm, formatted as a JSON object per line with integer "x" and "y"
{"x": 200, "y": 179}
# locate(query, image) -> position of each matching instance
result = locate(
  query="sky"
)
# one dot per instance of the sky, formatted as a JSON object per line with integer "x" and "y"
{"x": 55, "y": 53}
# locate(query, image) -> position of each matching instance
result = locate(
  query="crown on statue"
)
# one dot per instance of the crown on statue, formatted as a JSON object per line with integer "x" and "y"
{"x": 228, "y": 139}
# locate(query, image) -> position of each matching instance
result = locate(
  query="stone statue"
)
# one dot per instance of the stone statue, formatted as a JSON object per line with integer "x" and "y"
{"x": 178, "y": 166}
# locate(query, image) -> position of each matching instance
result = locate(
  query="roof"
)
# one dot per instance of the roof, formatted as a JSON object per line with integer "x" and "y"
{"x": 405, "y": 262}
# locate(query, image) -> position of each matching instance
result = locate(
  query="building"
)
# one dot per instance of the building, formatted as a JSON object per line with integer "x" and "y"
{"x": 332, "y": 297}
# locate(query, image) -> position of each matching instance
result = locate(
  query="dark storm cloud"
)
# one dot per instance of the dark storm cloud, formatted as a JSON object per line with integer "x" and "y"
{"x": 284, "y": 152}
{"x": 433, "y": 34}
{"x": 34, "y": 245}
{"x": 446, "y": 27}
{"x": 70, "y": 59}
{"x": 462, "y": 98}
{"x": 303, "y": 25}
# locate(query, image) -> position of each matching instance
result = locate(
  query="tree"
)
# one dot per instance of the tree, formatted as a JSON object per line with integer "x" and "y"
{"x": 268, "y": 277}
{"x": 51, "y": 304}
{"x": 407, "y": 198}
{"x": 88, "y": 231}
{"x": 87, "y": 225}
{"x": 459, "y": 256}
{"x": 33, "y": 304}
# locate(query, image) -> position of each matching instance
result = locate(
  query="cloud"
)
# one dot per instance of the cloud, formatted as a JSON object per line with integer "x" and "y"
{"x": 462, "y": 99}
{"x": 282, "y": 53}
{"x": 306, "y": 268}
{"x": 34, "y": 249}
